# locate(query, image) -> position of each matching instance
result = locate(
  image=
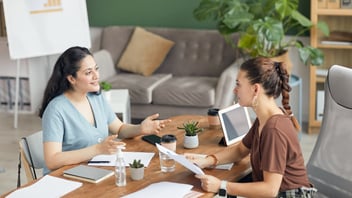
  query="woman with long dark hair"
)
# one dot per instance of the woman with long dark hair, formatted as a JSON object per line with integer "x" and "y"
{"x": 76, "y": 120}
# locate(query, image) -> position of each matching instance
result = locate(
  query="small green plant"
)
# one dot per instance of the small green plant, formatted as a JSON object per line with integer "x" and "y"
{"x": 136, "y": 164}
{"x": 105, "y": 86}
{"x": 191, "y": 128}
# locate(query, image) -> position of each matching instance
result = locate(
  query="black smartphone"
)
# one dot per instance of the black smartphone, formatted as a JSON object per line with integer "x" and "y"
{"x": 152, "y": 139}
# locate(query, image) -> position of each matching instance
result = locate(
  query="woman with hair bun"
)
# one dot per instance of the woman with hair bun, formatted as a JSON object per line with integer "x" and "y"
{"x": 276, "y": 158}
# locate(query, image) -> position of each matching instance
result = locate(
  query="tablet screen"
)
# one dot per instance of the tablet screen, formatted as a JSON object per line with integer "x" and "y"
{"x": 235, "y": 123}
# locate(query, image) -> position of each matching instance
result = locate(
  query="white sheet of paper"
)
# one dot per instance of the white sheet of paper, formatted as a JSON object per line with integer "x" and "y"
{"x": 181, "y": 159}
{"x": 162, "y": 190}
{"x": 48, "y": 186}
{"x": 129, "y": 157}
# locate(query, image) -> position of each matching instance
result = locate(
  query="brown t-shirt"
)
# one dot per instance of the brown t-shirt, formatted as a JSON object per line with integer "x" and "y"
{"x": 277, "y": 150}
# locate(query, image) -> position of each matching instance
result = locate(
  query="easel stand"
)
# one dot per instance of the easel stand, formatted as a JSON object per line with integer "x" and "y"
{"x": 15, "y": 124}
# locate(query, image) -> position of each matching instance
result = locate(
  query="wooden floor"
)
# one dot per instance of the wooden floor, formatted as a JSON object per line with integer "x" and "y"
{"x": 28, "y": 124}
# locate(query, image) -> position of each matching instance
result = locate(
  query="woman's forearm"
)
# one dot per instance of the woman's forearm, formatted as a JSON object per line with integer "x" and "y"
{"x": 233, "y": 154}
{"x": 57, "y": 160}
{"x": 129, "y": 131}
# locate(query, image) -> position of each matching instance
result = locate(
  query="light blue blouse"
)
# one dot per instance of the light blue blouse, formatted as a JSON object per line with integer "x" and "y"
{"x": 62, "y": 122}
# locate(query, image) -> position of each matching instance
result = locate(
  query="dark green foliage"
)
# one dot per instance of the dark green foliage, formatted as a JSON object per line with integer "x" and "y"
{"x": 136, "y": 164}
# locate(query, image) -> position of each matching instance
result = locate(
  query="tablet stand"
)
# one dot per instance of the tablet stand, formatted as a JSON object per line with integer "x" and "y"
{"x": 222, "y": 142}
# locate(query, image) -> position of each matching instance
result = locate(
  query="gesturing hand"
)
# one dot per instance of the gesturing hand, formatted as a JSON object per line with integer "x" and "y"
{"x": 151, "y": 126}
{"x": 109, "y": 145}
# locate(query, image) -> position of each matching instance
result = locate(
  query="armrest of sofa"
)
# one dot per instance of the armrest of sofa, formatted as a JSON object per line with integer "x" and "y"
{"x": 105, "y": 63}
{"x": 224, "y": 95}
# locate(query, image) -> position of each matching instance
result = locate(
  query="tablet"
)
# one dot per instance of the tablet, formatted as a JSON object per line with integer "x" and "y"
{"x": 235, "y": 123}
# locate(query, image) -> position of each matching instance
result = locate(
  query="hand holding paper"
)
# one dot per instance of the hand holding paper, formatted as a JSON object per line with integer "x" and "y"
{"x": 196, "y": 156}
{"x": 181, "y": 159}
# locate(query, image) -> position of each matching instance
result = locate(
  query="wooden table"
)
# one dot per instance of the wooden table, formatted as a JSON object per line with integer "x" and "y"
{"x": 208, "y": 144}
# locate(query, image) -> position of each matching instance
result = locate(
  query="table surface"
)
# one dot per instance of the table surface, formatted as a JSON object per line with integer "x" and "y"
{"x": 208, "y": 144}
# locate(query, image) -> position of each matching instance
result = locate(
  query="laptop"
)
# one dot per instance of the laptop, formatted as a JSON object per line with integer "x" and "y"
{"x": 235, "y": 123}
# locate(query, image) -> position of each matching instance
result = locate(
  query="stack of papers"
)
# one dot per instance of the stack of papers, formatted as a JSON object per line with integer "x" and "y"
{"x": 48, "y": 186}
{"x": 162, "y": 190}
{"x": 110, "y": 160}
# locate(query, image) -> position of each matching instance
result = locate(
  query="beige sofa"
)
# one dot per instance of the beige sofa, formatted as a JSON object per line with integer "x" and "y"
{"x": 197, "y": 73}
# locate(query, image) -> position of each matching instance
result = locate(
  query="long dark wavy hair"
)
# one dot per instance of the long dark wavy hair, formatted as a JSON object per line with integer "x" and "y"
{"x": 273, "y": 77}
{"x": 67, "y": 64}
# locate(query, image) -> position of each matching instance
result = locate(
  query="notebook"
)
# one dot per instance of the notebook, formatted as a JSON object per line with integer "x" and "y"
{"x": 88, "y": 173}
{"x": 235, "y": 123}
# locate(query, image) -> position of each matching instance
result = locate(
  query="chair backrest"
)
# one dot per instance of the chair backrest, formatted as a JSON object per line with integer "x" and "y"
{"x": 330, "y": 165}
{"x": 32, "y": 155}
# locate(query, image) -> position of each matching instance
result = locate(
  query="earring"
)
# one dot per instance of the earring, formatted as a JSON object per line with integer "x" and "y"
{"x": 255, "y": 102}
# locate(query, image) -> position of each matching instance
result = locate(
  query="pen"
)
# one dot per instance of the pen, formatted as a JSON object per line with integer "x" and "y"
{"x": 97, "y": 162}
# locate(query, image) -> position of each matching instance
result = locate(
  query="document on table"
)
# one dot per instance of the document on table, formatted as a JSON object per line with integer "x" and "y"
{"x": 180, "y": 159}
{"x": 48, "y": 186}
{"x": 110, "y": 160}
{"x": 161, "y": 190}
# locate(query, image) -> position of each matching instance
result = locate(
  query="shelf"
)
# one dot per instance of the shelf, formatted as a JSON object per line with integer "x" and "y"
{"x": 320, "y": 79}
{"x": 334, "y": 46}
{"x": 335, "y": 12}
{"x": 337, "y": 20}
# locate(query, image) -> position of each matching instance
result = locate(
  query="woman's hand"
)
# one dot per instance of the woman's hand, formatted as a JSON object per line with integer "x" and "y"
{"x": 109, "y": 145}
{"x": 209, "y": 183}
{"x": 152, "y": 126}
{"x": 200, "y": 160}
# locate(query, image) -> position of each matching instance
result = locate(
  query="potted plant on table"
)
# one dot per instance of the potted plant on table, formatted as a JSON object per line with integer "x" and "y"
{"x": 262, "y": 26}
{"x": 137, "y": 169}
{"x": 105, "y": 88}
{"x": 191, "y": 129}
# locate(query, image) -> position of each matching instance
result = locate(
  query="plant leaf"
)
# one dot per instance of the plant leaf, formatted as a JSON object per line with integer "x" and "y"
{"x": 308, "y": 53}
{"x": 207, "y": 9}
{"x": 284, "y": 8}
{"x": 301, "y": 19}
{"x": 324, "y": 28}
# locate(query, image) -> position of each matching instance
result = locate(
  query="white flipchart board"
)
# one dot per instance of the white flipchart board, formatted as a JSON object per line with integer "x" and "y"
{"x": 44, "y": 27}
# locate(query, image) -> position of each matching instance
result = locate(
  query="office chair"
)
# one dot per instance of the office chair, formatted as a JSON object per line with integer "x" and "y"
{"x": 330, "y": 165}
{"x": 31, "y": 155}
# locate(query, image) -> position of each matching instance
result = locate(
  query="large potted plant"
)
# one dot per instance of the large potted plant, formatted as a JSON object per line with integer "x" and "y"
{"x": 262, "y": 26}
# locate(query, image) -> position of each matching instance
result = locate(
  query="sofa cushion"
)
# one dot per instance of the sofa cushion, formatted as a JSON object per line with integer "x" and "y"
{"x": 196, "y": 52}
{"x": 144, "y": 53}
{"x": 115, "y": 39}
{"x": 186, "y": 91}
{"x": 140, "y": 87}
{"x": 95, "y": 35}
{"x": 105, "y": 63}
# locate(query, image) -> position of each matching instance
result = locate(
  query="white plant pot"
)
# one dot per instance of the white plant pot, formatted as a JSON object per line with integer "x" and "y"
{"x": 191, "y": 141}
{"x": 137, "y": 173}
{"x": 107, "y": 95}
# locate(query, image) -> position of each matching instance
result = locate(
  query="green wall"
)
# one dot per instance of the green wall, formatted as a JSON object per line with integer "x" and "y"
{"x": 153, "y": 13}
